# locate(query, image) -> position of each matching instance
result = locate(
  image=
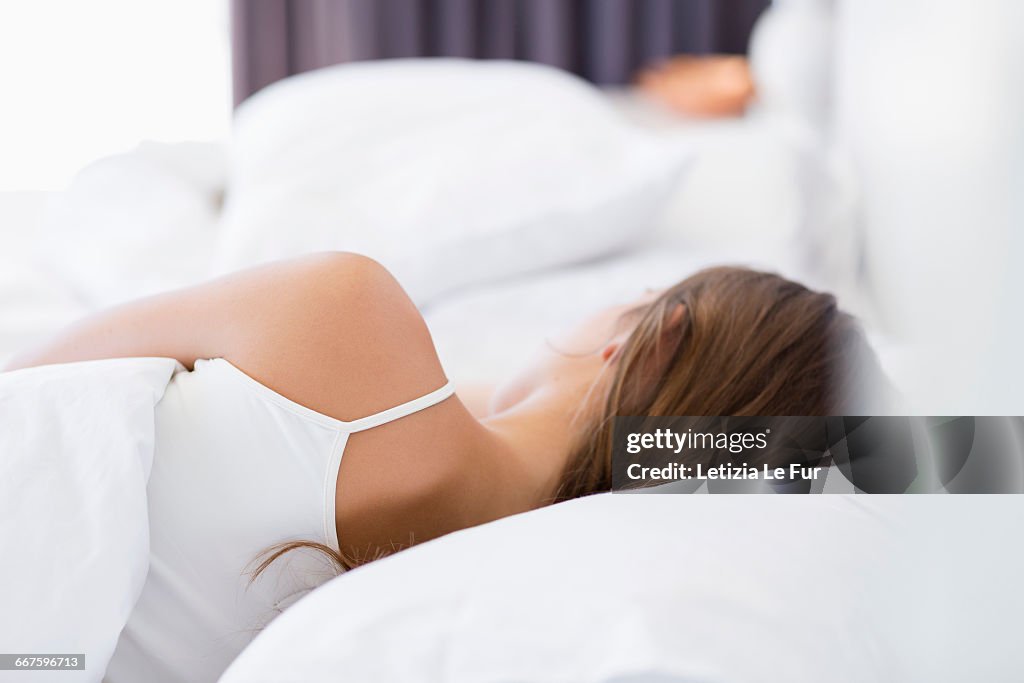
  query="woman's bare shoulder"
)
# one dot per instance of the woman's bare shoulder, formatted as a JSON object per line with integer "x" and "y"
{"x": 405, "y": 481}
{"x": 337, "y": 333}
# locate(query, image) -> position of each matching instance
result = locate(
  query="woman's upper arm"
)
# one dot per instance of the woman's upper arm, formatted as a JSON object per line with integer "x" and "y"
{"x": 298, "y": 326}
{"x": 204, "y": 321}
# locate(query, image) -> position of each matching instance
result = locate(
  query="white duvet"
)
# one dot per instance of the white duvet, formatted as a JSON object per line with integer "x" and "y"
{"x": 76, "y": 446}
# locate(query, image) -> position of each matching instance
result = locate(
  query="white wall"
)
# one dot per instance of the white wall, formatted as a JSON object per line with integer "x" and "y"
{"x": 83, "y": 79}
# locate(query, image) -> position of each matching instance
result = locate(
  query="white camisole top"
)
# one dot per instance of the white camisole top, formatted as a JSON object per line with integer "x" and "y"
{"x": 237, "y": 469}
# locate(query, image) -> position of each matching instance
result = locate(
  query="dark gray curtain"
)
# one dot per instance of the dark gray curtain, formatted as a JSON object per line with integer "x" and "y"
{"x": 604, "y": 41}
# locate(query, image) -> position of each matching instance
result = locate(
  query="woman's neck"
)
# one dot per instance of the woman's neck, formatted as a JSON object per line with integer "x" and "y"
{"x": 527, "y": 445}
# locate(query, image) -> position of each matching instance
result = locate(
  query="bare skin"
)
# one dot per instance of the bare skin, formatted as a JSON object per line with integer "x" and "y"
{"x": 336, "y": 333}
{"x": 705, "y": 86}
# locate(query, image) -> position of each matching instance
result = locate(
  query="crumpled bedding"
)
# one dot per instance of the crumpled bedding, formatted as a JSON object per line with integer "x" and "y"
{"x": 76, "y": 447}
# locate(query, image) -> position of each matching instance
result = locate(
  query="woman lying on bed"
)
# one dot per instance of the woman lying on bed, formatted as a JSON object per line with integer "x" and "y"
{"x": 326, "y": 355}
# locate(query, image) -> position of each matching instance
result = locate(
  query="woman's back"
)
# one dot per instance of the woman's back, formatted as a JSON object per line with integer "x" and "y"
{"x": 238, "y": 468}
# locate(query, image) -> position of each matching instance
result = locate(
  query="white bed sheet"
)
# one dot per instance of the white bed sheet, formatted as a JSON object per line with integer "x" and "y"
{"x": 481, "y": 333}
{"x": 677, "y": 588}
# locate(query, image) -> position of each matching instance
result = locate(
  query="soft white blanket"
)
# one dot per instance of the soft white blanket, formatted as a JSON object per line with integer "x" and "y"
{"x": 76, "y": 446}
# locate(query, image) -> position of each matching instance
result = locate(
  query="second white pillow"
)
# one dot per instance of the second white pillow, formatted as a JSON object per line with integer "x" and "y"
{"x": 450, "y": 172}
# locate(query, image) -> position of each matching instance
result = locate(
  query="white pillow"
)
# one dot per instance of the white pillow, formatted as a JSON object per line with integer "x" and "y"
{"x": 76, "y": 448}
{"x": 449, "y": 172}
{"x": 617, "y": 588}
{"x": 135, "y": 224}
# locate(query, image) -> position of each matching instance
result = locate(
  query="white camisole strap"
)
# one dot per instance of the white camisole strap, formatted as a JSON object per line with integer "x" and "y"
{"x": 399, "y": 411}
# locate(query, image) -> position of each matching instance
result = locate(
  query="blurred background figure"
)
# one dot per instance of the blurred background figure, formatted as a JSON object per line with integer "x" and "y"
{"x": 718, "y": 85}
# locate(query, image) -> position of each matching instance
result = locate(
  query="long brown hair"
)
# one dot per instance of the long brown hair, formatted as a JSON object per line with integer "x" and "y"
{"x": 725, "y": 341}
